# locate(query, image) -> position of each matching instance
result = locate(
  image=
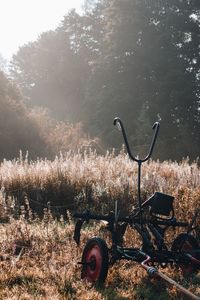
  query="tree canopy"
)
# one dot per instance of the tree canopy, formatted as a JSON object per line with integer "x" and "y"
{"x": 133, "y": 59}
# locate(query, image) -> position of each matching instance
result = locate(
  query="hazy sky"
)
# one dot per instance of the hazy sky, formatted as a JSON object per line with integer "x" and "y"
{"x": 22, "y": 21}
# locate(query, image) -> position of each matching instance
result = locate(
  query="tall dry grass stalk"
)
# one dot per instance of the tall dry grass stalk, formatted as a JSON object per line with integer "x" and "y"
{"x": 39, "y": 257}
{"x": 94, "y": 180}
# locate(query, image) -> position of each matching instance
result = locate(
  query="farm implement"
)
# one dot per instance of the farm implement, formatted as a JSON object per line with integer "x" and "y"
{"x": 150, "y": 219}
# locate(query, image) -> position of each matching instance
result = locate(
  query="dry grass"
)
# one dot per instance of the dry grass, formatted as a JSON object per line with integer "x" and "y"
{"x": 39, "y": 257}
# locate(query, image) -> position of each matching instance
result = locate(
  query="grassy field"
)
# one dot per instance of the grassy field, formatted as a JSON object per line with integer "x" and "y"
{"x": 37, "y": 251}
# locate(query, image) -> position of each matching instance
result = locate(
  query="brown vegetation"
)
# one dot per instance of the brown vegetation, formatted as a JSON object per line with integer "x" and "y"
{"x": 39, "y": 257}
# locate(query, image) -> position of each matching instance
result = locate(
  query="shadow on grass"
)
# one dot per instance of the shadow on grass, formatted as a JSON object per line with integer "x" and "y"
{"x": 151, "y": 290}
{"x": 67, "y": 290}
{"x": 111, "y": 294}
{"x": 29, "y": 282}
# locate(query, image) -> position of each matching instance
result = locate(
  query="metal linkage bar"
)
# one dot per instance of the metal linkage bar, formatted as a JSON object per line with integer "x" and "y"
{"x": 193, "y": 259}
{"x": 152, "y": 271}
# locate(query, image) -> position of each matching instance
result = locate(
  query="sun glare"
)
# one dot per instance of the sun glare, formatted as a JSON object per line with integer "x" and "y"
{"x": 23, "y": 20}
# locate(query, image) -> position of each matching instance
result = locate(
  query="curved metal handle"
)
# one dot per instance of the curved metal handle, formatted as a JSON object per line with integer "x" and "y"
{"x": 155, "y": 127}
{"x": 117, "y": 121}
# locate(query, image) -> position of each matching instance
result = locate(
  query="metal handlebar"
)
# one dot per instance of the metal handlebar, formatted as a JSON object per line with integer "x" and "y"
{"x": 155, "y": 127}
{"x": 130, "y": 220}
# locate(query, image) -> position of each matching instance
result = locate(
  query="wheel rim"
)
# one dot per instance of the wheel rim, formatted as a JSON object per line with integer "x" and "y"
{"x": 93, "y": 262}
{"x": 186, "y": 244}
{"x": 186, "y": 268}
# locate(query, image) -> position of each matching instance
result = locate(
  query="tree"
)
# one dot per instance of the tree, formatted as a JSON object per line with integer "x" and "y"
{"x": 51, "y": 74}
{"x": 130, "y": 58}
{"x": 3, "y": 63}
{"x": 17, "y": 130}
{"x": 147, "y": 60}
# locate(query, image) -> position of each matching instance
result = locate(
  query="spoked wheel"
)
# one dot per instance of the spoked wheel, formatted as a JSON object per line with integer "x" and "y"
{"x": 95, "y": 261}
{"x": 185, "y": 243}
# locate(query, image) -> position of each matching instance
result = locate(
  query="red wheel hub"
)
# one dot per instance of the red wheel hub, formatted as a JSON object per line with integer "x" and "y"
{"x": 94, "y": 263}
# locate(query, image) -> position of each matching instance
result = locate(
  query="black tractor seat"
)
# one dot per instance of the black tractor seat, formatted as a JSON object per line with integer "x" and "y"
{"x": 160, "y": 204}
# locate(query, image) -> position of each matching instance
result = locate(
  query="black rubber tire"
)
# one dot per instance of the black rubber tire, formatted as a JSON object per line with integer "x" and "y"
{"x": 95, "y": 261}
{"x": 185, "y": 243}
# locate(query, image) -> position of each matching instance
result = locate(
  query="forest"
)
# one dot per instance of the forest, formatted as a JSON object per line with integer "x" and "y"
{"x": 138, "y": 60}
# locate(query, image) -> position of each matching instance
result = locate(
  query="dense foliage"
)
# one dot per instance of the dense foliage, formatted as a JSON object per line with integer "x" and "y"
{"x": 33, "y": 131}
{"x": 134, "y": 59}
{"x": 17, "y": 130}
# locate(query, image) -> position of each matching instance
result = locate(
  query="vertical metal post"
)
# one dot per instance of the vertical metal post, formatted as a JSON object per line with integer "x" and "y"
{"x": 139, "y": 189}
